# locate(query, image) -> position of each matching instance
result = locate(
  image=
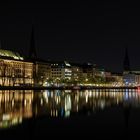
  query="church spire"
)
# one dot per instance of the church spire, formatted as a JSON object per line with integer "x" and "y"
{"x": 32, "y": 51}
{"x": 126, "y": 64}
{"x": 0, "y": 45}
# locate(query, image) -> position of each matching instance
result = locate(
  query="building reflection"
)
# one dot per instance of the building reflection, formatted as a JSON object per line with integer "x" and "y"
{"x": 66, "y": 103}
{"x": 15, "y": 106}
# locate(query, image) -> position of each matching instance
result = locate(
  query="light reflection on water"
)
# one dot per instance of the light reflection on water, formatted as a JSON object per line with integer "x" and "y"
{"x": 18, "y": 105}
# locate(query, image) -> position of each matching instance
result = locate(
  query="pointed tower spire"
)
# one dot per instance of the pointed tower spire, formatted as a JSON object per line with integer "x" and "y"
{"x": 32, "y": 51}
{"x": 0, "y": 45}
{"x": 126, "y": 64}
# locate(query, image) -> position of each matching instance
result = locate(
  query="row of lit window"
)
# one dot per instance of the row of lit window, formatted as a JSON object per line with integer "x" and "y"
{"x": 56, "y": 72}
{"x": 56, "y": 69}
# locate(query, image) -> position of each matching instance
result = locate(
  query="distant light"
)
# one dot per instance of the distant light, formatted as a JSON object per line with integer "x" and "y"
{"x": 5, "y": 117}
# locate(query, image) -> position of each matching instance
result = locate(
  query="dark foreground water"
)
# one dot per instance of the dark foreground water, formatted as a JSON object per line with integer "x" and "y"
{"x": 105, "y": 114}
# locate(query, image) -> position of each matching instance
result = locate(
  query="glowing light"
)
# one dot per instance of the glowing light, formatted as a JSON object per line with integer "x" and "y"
{"x": 67, "y": 64}
{"x": 5, "y": 117}
{"x": 41, "y": 102}
{"x": 67, "y": 102}
{"x": 11, "y": 54}
{"x": 86, "y": 98}
{"x": 25, "y": 102}
{"x": 138, "y": 90}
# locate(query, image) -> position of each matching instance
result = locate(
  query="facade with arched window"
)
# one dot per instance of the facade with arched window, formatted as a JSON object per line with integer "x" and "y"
{"x": 14, "y": 70}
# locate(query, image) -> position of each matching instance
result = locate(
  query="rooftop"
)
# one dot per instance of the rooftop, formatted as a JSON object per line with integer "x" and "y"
{"x": 10, "y": 54}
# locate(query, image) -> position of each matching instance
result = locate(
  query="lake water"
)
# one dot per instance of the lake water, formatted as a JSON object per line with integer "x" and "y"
{"x": 94, "y": 113}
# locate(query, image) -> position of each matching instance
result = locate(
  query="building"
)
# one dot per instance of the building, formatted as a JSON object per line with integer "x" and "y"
{"x": 117, "y": 78}
{"x": 130, "y": 77}
{"x": 41, "y": 68}
{"x": 14, "y": 70}
{"x": 61, "y": 71}
{"x": 100, "y": 72}
{"x": 77, "y": 72}
{"x": 127, "y": 75}
{"x": 42, "y": 72}
{"x": 87, "y": 70}
{"x": 136, "y": 77}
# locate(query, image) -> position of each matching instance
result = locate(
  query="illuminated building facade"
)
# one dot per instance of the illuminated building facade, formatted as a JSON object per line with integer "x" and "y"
{"x": 100, "y": 73}
{"x": 61, "y": 71}
{"x": 42, "y": 72}
{"x": 137, "y": 77}
{"x": 117, "y": 78}
{"x": 130, "y": 77}
{"x": 14, "y": 71}
{"x": 77, "y": 72}
{"x": 87, "y": 70}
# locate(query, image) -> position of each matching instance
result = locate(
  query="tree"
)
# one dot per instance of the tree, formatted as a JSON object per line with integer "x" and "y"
{"x": 3, "y": 70}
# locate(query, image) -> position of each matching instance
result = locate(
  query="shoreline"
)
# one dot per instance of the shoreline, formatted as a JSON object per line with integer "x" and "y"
{"x": 64, "y": 88}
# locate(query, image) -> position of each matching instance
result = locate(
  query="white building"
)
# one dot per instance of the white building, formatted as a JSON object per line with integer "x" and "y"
{"x": 132, "y": 78}
{"x": 61, "y": 71}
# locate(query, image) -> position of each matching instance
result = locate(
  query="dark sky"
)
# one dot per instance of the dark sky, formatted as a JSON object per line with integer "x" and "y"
{"x": 83, "y": 32}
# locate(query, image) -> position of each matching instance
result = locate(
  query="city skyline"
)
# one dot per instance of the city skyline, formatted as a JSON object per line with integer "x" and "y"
{"x": 33, "y": 56}
{"x": 32, "y": 53}
{"x": 97, "y": 33}
{"x": 69, "y": 69}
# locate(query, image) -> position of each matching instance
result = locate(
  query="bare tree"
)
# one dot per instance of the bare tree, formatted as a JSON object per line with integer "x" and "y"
{"x": 3, "y": 70}
{"x": 14, "y": 75}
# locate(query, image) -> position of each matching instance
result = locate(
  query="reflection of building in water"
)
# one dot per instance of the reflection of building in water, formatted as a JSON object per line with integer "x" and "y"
{"x": 14, "y": 106}
{"x": 17, "y": 105}
{"x": 67, "y": 105}
{"x": 62, "y": 103}
{"x": 14, "y": 71}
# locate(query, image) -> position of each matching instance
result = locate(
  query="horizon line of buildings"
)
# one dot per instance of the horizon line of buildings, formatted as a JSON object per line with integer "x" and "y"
{"x": 16, "y": 70}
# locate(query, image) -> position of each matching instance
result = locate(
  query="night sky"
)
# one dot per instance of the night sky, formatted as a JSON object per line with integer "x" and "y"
{"x": 83, "y": 32}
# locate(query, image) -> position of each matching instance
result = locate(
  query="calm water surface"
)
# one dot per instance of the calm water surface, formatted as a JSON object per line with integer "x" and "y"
{"x": 97, "y": 110}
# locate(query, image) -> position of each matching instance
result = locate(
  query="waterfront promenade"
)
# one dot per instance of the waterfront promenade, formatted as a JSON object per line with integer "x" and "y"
{"x": 65, "y": 87}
